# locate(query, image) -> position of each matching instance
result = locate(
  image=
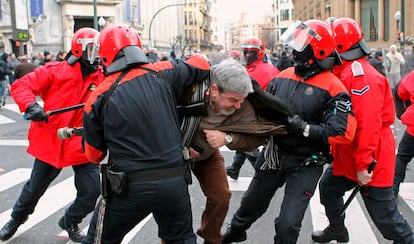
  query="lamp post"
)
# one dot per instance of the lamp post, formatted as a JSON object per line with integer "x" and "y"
{"x": 95, "y": 18}
{"x": 156, "y": 13}
{"x": 397, "y": 18}
{"x": 101, "y": 23}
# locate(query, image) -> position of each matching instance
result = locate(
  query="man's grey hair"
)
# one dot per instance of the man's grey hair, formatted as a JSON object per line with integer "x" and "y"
{"x": 230, "y": 75}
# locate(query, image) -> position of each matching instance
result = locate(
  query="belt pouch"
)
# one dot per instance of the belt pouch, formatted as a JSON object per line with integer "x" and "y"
{"x": 118, "y": 182}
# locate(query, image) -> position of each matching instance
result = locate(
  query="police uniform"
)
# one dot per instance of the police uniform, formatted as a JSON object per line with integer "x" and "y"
{"x": 139, "y": 126}
{"x": 323, "y": 102}
{"x": 374, "y": 109}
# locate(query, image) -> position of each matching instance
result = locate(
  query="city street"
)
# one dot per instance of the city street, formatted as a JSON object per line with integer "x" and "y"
{"x": 42, "y": 227}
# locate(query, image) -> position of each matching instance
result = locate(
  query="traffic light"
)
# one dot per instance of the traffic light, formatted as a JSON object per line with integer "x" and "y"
{"x": 400, "y": 37}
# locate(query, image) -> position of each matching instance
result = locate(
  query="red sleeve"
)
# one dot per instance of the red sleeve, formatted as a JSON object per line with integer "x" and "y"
{"x": 25, "y": 89}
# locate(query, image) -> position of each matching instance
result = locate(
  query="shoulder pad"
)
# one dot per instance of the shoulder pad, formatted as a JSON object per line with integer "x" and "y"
{"x": 357, "y": 69}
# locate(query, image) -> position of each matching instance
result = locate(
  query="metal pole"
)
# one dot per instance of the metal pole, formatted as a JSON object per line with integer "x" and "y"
{"x": 402, "y": 25}
{"x": 156, "y": 13}
{"x": 95, "y": 16}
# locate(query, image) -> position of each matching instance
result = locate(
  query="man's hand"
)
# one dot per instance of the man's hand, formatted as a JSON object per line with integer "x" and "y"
{"x": 35, "y": 113}
{"x": 364, "y": 177}
{"x": 296, "y": 125}
{"x": 215, "y": 138}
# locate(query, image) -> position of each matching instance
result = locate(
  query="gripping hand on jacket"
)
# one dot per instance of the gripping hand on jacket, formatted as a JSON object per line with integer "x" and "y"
{"x": 35, "y": 113}
{"x": 296, "y": 125}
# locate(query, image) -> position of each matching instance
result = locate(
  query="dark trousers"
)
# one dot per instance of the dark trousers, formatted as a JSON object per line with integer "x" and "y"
{"x": 404, "y": 156}
{"x": 87, "y": 183}
{"x": 167, "y": 199}
{"x": 379, "y": 201}
{"x": 300, "y": 183}
{"x": 240, "y": 157}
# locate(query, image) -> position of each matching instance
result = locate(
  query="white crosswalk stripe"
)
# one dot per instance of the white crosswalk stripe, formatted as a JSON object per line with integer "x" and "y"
{"x": 5, "y": 120}
{"x": 53, "y": 201}
{"x": 359, "y": 229}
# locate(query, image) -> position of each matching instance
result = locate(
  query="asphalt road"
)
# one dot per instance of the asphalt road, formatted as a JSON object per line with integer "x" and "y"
{"x": 15, "y": 165}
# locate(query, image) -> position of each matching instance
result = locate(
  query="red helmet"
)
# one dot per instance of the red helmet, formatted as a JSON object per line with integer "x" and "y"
{"x": 348, "y": 32}
{"x": 82, "y": 38}
{"x": 115, "y": 38}
{"x": 119, "y": 47}
{"x": 256, "y": 44}
{"x": 314, "y": 33}
{"x": 234, "y": 54}
{"x": 350, "y": 41}
{"x": 323, "y": 43}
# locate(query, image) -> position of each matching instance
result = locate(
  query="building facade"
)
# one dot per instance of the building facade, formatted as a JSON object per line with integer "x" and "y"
{"x": 385, "y": 22}
{"x": 33, "y": 26}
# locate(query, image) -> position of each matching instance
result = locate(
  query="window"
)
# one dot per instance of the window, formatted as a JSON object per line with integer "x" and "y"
{"x": 386, "y": 20}
{"x": 284, "y": 14}
{"x": 369, "y": 19}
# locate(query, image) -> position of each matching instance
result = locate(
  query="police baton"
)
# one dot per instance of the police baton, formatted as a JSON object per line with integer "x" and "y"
{"x": 356, "y": 189}
{"x": 66, "y": 109}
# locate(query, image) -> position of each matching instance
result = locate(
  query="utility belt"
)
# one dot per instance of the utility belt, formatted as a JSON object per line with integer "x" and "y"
{"x": 298, "y": 151}
{"x": 117, "y": 182}
{"x": 311, "y": 157}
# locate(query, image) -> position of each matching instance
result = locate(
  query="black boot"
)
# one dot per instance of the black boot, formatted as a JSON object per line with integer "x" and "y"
{"x": 338, "y": 233}
{"x": 75, "y": 234}
{"x": 10, "y": 228}
{"x": 233, "y": 235}
{"x": 233, "y": 171}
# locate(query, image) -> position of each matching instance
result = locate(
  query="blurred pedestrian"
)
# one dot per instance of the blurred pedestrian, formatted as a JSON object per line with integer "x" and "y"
{"x": 378, "y": 62}
{"x": 11, "y": 66}
{"x": 153, "y": 55}
{"x": 61, "y": 56}
{"x": 285, "y": 61}
{"x": 23, "y": 68}
{"x": 164, "y": 56}
{"x": 396, "y": 60}
{"x": 4, "y": 83}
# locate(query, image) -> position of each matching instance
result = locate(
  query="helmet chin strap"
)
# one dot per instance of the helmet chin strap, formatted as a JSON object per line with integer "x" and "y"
{"x": 305, "y": 65}
{"x": 86, "y": 67}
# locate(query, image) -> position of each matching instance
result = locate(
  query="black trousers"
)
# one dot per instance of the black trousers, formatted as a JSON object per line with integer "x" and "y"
{"x": 87, "y": 183}
{"x": 300, "y": 183}
{"x": 379, "y": 201}
{"x": 167, "y": 199}
{"x": 240, "y": 157}
{"x": 404, "y": 156}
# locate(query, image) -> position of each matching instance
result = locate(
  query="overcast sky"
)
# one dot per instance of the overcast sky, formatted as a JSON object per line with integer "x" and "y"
{"x": 255, "y": 8}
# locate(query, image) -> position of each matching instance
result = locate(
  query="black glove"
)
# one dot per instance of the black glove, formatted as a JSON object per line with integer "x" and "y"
{"x": 35, "y": 113}
{"x": 296, "y": 125}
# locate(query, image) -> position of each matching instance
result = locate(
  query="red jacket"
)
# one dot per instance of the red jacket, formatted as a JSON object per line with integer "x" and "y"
{"x": 406, "y": 93}
{"x": 373, "y": 105}
{"x": 262, "y": 72}
{"x": 59, "y": 85}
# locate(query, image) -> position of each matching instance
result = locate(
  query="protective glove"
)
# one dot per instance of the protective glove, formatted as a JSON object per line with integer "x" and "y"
{"x": 295, "y": 125}
{"x": 35, "y": 113}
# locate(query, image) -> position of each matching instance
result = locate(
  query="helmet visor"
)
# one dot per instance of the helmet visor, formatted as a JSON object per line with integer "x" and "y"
{"x": 298, "y": 36}
{"x": 93, "y": 50}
